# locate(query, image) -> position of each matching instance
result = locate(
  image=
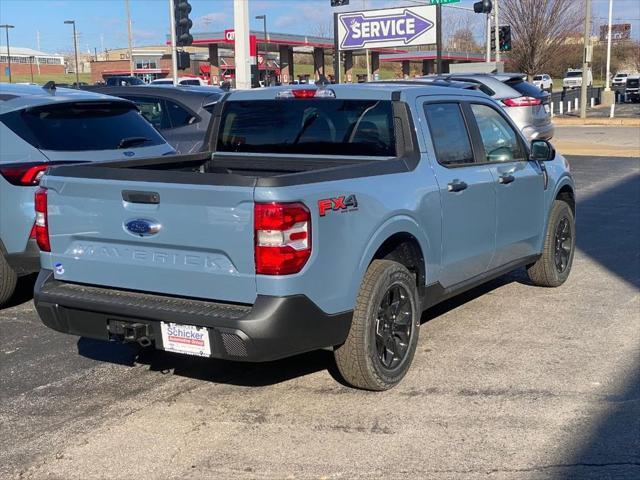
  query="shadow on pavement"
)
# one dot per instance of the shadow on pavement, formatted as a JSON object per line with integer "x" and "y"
{"x": 24, "y": 291}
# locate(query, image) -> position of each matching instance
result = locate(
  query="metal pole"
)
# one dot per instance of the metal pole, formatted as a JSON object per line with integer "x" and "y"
{"x": 75, "y": 49}
{"x": 242, "y": 53}
{"x": 337, "y": 67}
{"x": 497, "y": 32}
{"x": 266, "y": 53}
{"x": 585, "y": 60}
{"x": 31, "y": 60}
{"x": 130, "y": 35}
{"x": 174, "y": 48}
{"x": 368, "y": 65}
{"x": 488, "y": 37}
{"x": 6, "y": 28}
{"x": 607, "y": 86}
{"x": 439, "y": 39}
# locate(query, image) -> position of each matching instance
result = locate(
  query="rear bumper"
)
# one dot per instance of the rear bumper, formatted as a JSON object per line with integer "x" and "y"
{"x": 272, "y": 328}
{"x": 27, "y": 262}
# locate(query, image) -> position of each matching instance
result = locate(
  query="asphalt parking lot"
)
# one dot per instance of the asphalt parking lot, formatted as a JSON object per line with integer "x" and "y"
{"x": 509, "y": 381}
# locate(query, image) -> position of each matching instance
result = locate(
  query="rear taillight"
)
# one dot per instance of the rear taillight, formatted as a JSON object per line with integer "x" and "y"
{"x": 23, "y": 174}
{"x": 41, "y": 225}
{"x": 306, "y": 93}
{"x": 282, "y": 237}
{"x": 522, "y": 102}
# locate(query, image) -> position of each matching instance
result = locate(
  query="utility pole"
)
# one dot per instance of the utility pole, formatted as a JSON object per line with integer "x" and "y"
{"x": 75, "y": 49}
{"x": 497, "y": 30}
{"x": 439, "y": 38}
{"x": 6, "y": 28}
{"x": 607, "y": 86}
{"x": 241, "y": 28}
{"x": 31, "y": 60}
{"x": 130, "y": 35}
{"x": 174, "y": 47}
{"x": 488, "y": 37}
{"x": 585, "y": 60}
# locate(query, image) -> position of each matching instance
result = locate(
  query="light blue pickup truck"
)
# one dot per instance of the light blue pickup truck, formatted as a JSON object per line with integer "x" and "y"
{"x": 319, "y": 218}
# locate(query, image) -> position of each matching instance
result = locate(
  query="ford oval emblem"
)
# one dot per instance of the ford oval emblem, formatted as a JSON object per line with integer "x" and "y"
{"x": 142, "y": 227}
{"x": 129, "y": 153}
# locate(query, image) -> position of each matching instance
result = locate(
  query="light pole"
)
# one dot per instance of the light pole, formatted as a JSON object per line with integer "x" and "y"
{"x": 607, "y": 88}
{"x": 75, "y": 49}
{"x": 266, "y": 49}
{"x": 7, "y": 27}
{"x": 31, "y": 60}
{"x": 586, "y": 59}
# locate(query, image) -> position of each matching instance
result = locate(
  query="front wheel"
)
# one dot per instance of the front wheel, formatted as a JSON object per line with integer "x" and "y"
{"x": 384, "y": 331}
{"x": 554, "y": 265}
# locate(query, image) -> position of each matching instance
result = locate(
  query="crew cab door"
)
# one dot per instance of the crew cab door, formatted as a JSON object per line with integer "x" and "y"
{"x": 467, "y": 194}
{"x": 519, "y": 185}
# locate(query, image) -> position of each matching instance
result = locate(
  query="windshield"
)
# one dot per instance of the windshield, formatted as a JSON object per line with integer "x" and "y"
{"x": 574, "y": 74}
{"x": 74, "y": 127}
{"x": 309, "y": 127}
{"x": 538, "y": 77}
{"x": 621, "y": 75}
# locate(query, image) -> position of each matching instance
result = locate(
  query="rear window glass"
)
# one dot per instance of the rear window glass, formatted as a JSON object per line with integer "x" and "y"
{"x": 309, "y": 127}
{"x": 75, "y": 127}
{"x": 525, "y": 89}
{"x": 538, "y": 77}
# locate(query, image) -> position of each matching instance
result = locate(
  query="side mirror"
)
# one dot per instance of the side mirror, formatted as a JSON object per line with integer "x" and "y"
{"x": 542, "y": 151}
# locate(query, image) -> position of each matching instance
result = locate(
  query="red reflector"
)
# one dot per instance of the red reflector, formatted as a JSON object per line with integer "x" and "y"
{"x": 24, "y": 174}
{"x": 282, "y": 237}
{"x": 41, "y": 225}
{"x": 304, "y": 92}
{"x": 521, "y": 102}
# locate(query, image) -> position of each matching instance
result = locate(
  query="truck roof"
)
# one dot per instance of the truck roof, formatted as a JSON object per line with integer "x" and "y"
{"x": 365, "y": 91}
{"x": 16, "y": 97}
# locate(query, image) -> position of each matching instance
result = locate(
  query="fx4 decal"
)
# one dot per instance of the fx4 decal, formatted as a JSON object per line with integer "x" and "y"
{"x": 343, "y": 204}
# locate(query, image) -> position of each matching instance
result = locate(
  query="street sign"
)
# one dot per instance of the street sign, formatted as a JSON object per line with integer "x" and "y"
{"x": 390, "y": 27}
{"x": 442, "y": 2}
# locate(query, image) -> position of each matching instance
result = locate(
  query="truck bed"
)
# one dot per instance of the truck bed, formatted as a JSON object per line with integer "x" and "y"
{"x": 208, "y": 168}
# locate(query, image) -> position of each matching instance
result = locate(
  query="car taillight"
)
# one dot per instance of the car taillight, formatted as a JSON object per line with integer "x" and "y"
{"x": 41, "y": 225}
{"x": 306, "y": 93}
{"x": 282, "y": 237}
{"x": 521, "y": 102}
{"x": 23, "y": 174}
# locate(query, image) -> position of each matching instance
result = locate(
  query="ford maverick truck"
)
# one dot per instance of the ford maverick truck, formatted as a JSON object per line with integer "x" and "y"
{"x": 326, "y": 217}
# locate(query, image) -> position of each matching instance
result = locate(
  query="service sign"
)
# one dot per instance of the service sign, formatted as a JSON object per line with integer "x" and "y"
{"x": 391, "y": 27}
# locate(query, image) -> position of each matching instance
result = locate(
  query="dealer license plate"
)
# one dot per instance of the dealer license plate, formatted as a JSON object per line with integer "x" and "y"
{"x": 546, "y": 108}
{"x": 187, "y": 339}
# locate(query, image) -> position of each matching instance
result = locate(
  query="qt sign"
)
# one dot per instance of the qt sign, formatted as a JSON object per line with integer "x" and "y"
{"x": 391, "y": 27}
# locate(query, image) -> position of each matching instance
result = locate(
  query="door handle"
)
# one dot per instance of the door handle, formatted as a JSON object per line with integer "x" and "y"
{"x": 456, "y": 186}
{"x": 504, "y": 179}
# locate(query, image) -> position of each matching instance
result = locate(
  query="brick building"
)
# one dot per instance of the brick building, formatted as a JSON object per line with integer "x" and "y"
{"x": 26, "y": 60}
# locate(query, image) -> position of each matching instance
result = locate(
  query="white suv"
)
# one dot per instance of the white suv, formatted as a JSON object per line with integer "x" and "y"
{"x": 543, "y": 82}
{"x": 620, "y": 79}
{"x": 573, "y": 78}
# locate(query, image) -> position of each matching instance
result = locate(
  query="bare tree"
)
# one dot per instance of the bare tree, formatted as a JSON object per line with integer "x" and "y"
{"x": 322, "y": 29}
{"x": 540, "y": 29}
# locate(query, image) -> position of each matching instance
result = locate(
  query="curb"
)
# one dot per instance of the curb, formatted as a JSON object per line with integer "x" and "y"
{"x": 630, "y": 122}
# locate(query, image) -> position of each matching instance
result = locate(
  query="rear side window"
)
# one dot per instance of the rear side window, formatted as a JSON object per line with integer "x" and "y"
{"x": 75, "y": 127}
{"x": 190, "y": 82}
{"x": 449, "y": 134}
{"x": 525, "y": 89}
{"x": 308, "y": 127}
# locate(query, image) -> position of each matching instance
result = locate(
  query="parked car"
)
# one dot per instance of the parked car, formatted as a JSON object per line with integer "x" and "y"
{"x": 620, "y": 79}
{"x": 181, "y": 81}
{"x": 573, "y": 79}
{"x": 631, "y": 89}
{"x": 121, "y": 81}
{"x": 41, "y": 127}
{"x": 543, "y": 82}
{"x": 181, "y": 114}
{"x": 325, "y": 218}
{"x": 525, "y": 103}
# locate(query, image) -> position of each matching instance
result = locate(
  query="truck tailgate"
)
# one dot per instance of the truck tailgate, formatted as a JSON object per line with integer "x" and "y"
{"x": 203, "y": 247}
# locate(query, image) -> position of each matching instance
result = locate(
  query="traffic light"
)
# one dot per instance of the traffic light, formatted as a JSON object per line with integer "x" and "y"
{"x": 493, "y": 39}
{"x": 343, "y": 58}
{"x": 184, "y": 61}
{"x": 183, "y": 23}
{"x": 339, "y": 3}
{"x": 482, "y": 7}
{"x": 504, "y": 35}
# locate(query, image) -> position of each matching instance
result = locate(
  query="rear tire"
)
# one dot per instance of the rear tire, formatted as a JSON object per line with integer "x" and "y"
{"x": 384, "y": 331}
{"x": 554, "y": 265}
{"x": 8, "y": 281}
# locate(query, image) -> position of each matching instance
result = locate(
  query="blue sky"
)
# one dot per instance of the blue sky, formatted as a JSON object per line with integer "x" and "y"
{"x": 102, "y": 22}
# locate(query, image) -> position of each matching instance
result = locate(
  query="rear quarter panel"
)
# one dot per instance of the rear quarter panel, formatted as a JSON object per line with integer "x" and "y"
{"x": 344, "y": 242}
